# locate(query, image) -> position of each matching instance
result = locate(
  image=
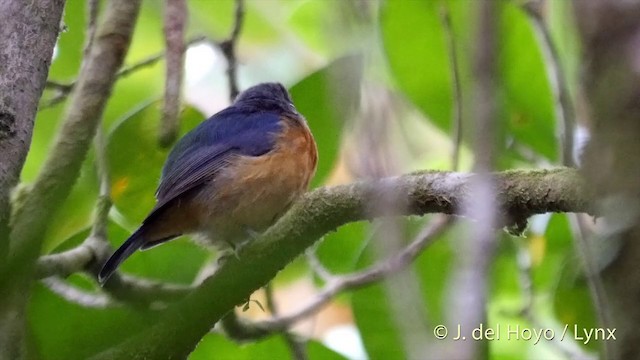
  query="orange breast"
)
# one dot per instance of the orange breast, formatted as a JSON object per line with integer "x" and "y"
{"x": 258, "y": 190}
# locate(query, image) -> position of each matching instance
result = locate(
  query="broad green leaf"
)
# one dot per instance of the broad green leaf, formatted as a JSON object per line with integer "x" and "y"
{"x": 525, "y": 89}
{"x": 572, "y": 302}
{"x": 75, "y": 213}
{"x": 311, "y": 21}
{"x": 434, "y": 266}
{"x": 55, "y": 324}
{"x": 379, "y": 326}
{"x": 416, "y": 48}
{"x": 176, "y": 261}
{"x": 340, "y": 250}
{"x": 135, "y": 159}
{"x": 216, "y": 18}
{"x": 556, "y": 244}
{"x": 216, "y": 346}
{"x": 564, "y": 31}
{"x": 66, "y": 63}
{"x": 327, "y": 98}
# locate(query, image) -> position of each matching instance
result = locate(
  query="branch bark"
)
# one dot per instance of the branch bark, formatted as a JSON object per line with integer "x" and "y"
{"x": 70, "y": 147}
{"x": 63, "y": 164}
{"x": 27, "y": 36}
{"x": 611, "y": 35}
{"x": 520, "y": 193}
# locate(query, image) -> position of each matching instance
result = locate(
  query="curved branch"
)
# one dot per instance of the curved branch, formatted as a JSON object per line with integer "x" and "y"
{"x": 27, "y": 37}
{"x": 62, "y": 166}
{"x": 25, "y": 59}
{"x": 360, "y": 279}
{"x": 521, "y": 193}
{"x": 175, "y": 19}
{"x": 228, "y": 48}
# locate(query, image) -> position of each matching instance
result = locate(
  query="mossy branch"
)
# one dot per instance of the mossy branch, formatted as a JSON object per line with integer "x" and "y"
{"x": 521, "y": 193}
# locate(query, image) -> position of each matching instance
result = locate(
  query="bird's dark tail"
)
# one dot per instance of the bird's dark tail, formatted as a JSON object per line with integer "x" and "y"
{"x": 133, "y": 243}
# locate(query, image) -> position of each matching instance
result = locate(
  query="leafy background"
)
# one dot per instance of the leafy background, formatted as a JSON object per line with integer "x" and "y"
{"x": 328, "y": 53}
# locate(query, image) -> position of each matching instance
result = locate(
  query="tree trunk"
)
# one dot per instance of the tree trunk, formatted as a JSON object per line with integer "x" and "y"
{"x": 611, "y": 36}
{"x": 28, "y": 34}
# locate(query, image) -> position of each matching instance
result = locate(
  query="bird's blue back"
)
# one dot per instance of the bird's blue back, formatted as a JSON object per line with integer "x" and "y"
{"x": 240, "y": 130}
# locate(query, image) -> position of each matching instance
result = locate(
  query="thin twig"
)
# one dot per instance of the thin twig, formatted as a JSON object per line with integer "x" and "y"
{"x": 64, "y": 89}
{"x": 92, "y": 11}
{"x": 54, "y": 85}
{"x": 297, "y": 347}
{"x": 362, "y": 278}
{"x": 103, "y": 205}
{"x": 153, "y": 59}
{"x": 77, "y": 296}
{"x": 228, "y": 48}
{"x": 584, "y": 246}
{"x": 316, "y": 265}
{"x": 240, "y": 330}
{"x": 569, "y": 349}
{"x": 565, "y": 110}
{"x": 455, "y": 82}
{"x": 65, "y": 263}
{"x": 95, "y": 250}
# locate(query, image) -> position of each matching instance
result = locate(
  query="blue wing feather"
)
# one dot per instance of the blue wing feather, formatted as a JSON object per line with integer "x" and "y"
{"x": 207, "y": 149}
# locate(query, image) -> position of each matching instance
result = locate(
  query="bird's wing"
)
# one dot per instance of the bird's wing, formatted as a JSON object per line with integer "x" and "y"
{"x": 203, "y": 153}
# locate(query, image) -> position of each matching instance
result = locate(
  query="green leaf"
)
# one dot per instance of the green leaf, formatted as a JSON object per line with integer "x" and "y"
{"x": 75, "y": 213}
{"x": 550, "y": 251}
{"x": 416, "y": 48}
{"x": 70, "y": 43}
{"x": 54, "y": 325}
{"x": 327, "y": 106}
{"x": 135, "y": 159}
{"x": 176, "y": 261}
{"x": 340, "y": 250}
{"x": 372, "y": 308}
{"x": 528, "y": 100}
{"x": 216, "y": 18}
{"x": 216, "y": 346}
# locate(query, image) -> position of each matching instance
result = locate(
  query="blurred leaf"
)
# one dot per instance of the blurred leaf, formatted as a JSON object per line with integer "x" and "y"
{"x": 526, "y": 91}
{"x": 45, "y": 127}
{"x": 572, "y": 302}
{"x": 75, "y": 213}
{"x": 563, "y": 29}
{"x": 415, "y": 46}
{"x": 377, "y": 325}
{"x": 70, "y": 43}
{"x": 135, "y": 159}
{"x": 505, "y": 272}
{"x": 216, "y": 18}
{"x": 216, "y": 346}
{"x": 54, "y": 324}
{"x": 434, "y": 266}
{"x": 377, "y": 322}
{"x": 177, "y": 261}
{"x": 422, "y": 69}
{"x": 340, "y": 250}
{"x": 327, "y": 106}
{"x": 311, "y": 21}
{"x": 559, "y": 244}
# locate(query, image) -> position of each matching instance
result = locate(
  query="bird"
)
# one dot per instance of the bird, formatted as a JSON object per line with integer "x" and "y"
{"x": 231, "y": 177}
